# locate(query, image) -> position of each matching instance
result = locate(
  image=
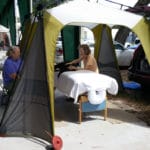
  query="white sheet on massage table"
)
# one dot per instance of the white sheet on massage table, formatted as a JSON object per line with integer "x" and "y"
{"x": 74, "y": 83}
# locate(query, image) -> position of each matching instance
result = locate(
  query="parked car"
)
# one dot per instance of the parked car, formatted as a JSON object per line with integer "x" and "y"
{"x": 3, "y": 56}
{"x": 59, "y": 51}
{"x": 139, "y": 70}
{"x": 124, "y": 55}
{"x": 134, "y": 44}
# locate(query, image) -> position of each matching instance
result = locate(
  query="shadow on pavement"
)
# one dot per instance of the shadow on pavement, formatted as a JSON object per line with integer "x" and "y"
{"x": 67, "y": 111}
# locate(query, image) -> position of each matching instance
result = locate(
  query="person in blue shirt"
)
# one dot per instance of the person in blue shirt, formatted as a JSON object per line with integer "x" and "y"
{"x": 11, "y": 67}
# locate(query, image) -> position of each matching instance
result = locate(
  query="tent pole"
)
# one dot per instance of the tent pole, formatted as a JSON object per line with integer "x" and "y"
{"x": 31, "y": 6}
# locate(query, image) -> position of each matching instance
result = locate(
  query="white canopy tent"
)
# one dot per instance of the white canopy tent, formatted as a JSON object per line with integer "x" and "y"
{"x": 3, "y": 29}
{"x": 84, "y": 13}
{"x": 39, "y": 42}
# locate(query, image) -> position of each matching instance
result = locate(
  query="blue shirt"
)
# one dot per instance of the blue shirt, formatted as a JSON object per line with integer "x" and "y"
{"x": 10, "y": 66}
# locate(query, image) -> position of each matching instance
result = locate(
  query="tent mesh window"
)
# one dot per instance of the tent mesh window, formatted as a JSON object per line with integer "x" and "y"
{"x": 28, "y": 112}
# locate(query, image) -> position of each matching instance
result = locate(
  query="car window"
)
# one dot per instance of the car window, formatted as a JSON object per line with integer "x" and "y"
{"x": 144, "y": 66}
{"x": 59, "y": 38}
{"x": 118, "y": 46}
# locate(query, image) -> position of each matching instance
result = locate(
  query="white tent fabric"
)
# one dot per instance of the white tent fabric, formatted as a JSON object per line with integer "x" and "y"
{"x": 3, "y": 29}
{"x": 119, "y": 4}
{"x": 85, "y": 13}
{"x": 77, "y": 12}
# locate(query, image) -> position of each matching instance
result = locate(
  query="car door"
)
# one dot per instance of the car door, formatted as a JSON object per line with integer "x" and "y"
{"x": 124, "y": 56}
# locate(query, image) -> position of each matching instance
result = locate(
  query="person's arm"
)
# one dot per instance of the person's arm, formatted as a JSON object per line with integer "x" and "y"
{"x": 75, "y": 61}
{"x": 13, "y": 76}
{"x": 90, "y": 67}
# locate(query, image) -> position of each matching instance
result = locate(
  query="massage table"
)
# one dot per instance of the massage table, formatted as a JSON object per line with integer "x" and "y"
{"x": 87, "y": 88}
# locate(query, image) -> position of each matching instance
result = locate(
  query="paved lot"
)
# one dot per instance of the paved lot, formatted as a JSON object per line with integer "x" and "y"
{"x": 121, "y": 131}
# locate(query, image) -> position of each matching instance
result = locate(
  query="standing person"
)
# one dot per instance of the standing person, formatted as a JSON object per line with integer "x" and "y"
{"x": 89, "y": 62}
{"x": 11, "y": 67}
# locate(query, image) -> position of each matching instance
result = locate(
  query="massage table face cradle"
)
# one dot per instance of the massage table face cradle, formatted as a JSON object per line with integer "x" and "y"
{"x": 86, "y": 106}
